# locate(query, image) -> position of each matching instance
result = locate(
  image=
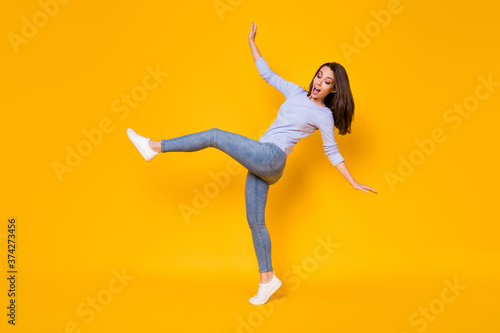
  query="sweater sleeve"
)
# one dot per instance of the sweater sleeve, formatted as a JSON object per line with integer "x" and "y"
{"x": 285, "y": 87}
{"x": 326, "y": 127}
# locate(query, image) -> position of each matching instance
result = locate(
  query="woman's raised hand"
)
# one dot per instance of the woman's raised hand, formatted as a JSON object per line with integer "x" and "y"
{"x": 253, "y": 32}
{"x": 251, "y": 40}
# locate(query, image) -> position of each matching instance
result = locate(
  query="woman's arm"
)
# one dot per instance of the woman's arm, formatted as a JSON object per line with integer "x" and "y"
{"x": 287, "y": 88}
{"x": 342, "y": 168}
{"x": 251, "y": 40}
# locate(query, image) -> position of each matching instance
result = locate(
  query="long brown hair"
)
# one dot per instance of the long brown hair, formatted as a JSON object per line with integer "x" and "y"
{"x": 339, "y": 102}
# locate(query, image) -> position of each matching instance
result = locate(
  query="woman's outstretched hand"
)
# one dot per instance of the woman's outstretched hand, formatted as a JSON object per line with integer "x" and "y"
{"x": 342, "y": 168}
{"x": 363, "y": 187}
{"x": 253, "y": 32}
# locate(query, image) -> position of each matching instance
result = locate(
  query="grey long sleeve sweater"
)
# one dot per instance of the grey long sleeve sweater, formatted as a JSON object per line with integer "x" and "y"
{"x": 297, "y": 117}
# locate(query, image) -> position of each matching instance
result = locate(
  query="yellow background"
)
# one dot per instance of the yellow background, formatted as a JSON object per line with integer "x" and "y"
{"x": 115, "y": 212}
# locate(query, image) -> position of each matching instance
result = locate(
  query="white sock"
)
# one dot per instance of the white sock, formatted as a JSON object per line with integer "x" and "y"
{"x": 142, "y": 144}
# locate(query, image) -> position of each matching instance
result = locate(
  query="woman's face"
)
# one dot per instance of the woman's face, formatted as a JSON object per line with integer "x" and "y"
{"x": 323, "y": 83}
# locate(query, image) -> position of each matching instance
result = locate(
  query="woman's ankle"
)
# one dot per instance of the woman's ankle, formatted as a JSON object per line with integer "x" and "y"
{"x": 155, "y": 146}
{"x": 266, "y": 277}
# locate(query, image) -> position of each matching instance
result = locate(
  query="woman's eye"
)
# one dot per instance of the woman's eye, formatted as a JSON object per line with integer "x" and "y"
{"x": 328, "y": 82}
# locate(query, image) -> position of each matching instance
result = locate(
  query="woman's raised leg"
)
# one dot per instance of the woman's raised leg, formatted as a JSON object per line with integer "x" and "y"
{"x": 256, "y": 156}
{"x": 252, "y": 154}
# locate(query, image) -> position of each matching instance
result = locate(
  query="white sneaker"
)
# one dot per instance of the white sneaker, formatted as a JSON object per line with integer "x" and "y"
{"x": 265, "y": 291}
{"x": 141, "y": 143}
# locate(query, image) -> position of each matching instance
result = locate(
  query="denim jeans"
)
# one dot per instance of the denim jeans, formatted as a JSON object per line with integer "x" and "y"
{"x": 265, "y": 162}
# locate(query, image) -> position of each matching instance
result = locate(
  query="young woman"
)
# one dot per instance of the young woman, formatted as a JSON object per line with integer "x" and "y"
{"x": 328, "y": 103}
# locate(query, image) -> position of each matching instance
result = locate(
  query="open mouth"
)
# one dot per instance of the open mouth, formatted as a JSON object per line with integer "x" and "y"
{"x": 316, "y": 90}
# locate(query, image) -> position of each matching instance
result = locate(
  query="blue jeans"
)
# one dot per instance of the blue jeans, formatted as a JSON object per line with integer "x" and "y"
{"x": 265, "y": 162}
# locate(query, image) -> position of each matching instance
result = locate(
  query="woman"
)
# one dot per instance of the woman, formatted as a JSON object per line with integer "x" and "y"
{"x": 328, "y": 103}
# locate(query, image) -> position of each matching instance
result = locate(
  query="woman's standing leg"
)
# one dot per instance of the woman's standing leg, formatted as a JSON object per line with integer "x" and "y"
{"x": 256, "y": 191}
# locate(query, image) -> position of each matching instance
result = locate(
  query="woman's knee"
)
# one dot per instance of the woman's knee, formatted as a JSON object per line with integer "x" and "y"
{"x": 213, "y": 135}
{"x": 215, "y": 130}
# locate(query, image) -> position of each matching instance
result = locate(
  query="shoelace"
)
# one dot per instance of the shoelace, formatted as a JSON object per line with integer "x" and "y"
{"x": 260, "y": 292}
